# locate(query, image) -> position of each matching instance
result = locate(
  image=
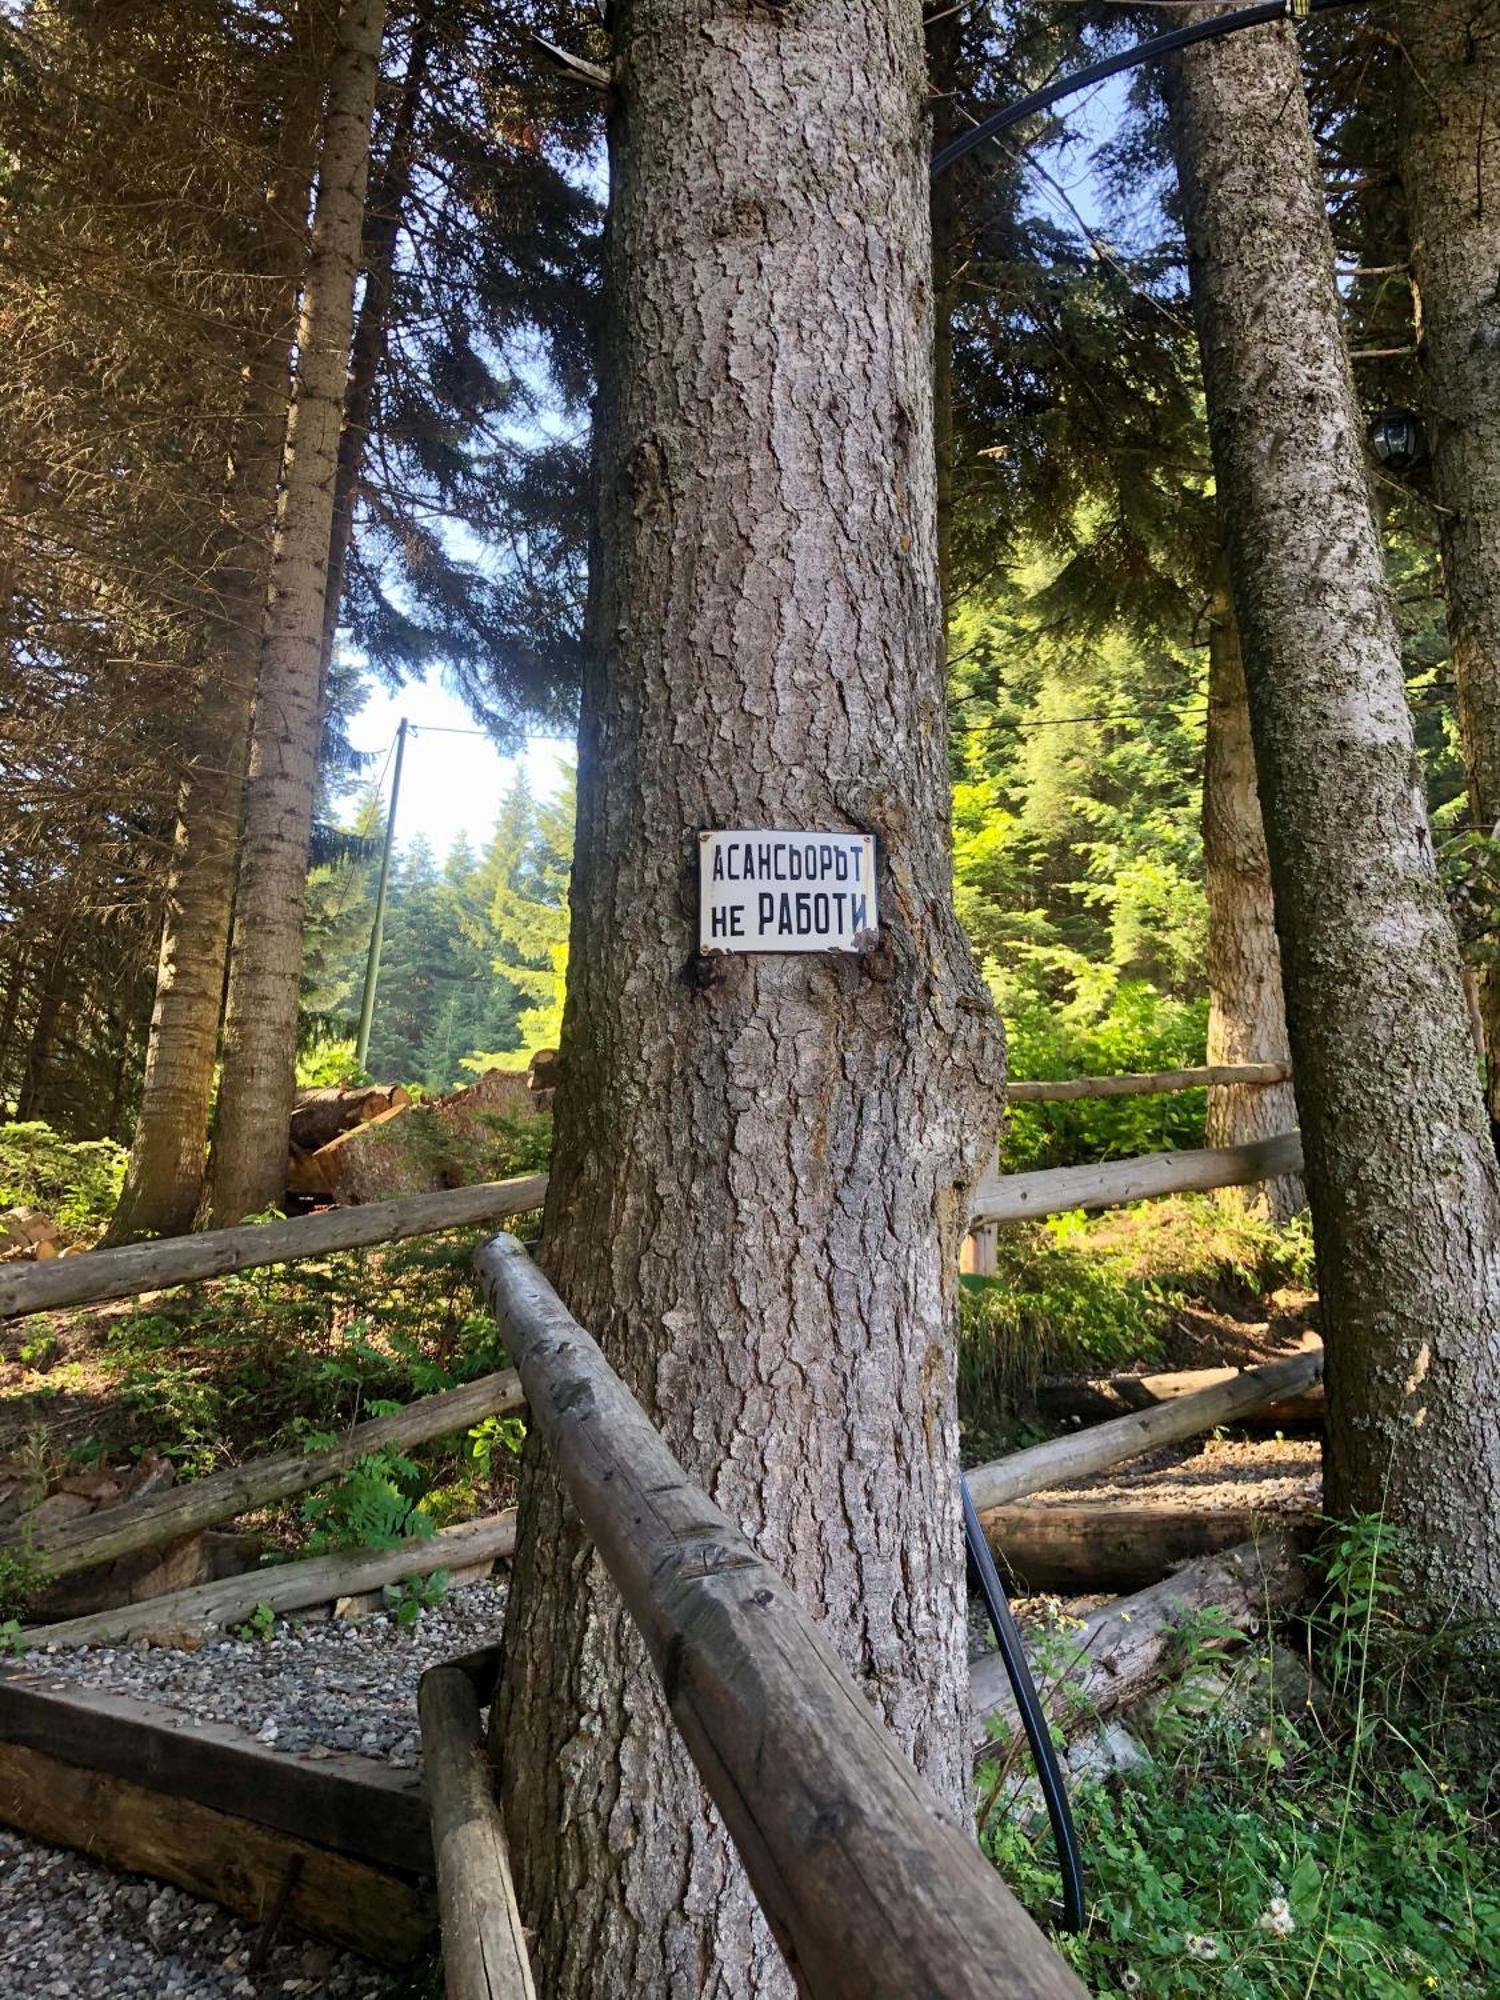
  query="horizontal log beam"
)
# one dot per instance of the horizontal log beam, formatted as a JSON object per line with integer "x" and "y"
{"x": 182, "y": 1510}
{"x": 873, "y": 1893}
{"x": 1055, "y": 1190}
{"x": 286, "y": 1587}
{"x": 1062, "y": 1461}
{"x": 183, "y": 1260}
{"x": 1153, "y": 1083}
{"x": 1119, "y": 1652}
{"x": 484, "y": 1945}
{"x": 1108, "y": 1396}
{"x": 1081, "y": 1550}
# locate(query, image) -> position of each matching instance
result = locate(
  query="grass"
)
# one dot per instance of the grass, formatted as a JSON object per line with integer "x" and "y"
{"x": 1268, "y": 1852}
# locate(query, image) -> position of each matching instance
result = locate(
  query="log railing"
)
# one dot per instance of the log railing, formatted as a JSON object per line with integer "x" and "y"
{"x": 1155, "y": 1083}
{"x": 873, "y": 1893}
{"x": 1055, "y": 1190}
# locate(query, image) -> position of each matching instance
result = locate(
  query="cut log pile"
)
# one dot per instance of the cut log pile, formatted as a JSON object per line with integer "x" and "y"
{"x": 405, "y": 1148}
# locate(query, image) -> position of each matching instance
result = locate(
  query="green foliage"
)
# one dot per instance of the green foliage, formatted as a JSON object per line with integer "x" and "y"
{"x": 260, "y": 1626}
{"x": 1346, "y": 1852}
{"x": 76, "y": 1182}
{"x": 376, "y": 1505}
{"x": 408, "y": 1599}
{"x": 326, "y": 1063}
{"x": 22, "y": 1573}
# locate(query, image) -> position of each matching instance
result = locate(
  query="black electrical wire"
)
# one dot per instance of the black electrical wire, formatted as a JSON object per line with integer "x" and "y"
{"x": 1159, "y": 45}
{"x": 1033, "y": 1719}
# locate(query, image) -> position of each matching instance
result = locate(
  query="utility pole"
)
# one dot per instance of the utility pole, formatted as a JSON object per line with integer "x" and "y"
{"x": 377, "y": 928}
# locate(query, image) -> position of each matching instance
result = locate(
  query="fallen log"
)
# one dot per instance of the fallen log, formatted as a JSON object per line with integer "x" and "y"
{"x": 181, "y": 1260}
{"x": 320, "y": 1115}
{"x": 1062, "y": 1461}
{"x": 142, "y": 1524}
{"x": 1117, "y": 1654}
{"x": 358, "y": 1806}
{"x": 1084, "y": 1549}
{"x": 248, "y": 1868}
{"x": 287, "y": 1587}
{"x": 1152, "y": 1084}
{"x": 873, "y": 1892}
{"x": 484, "y": 1946}
{"x": 1105, "y": 1397}
{"x": 450, "y": 1141}
{"x": 1055, "y": 1190}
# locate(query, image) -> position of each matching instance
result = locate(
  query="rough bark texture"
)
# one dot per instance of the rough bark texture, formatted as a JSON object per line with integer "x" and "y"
{"x": 762, "y": 1163}
{"x": 1451, "y": 170}
{"x": 1246, "y": 1012}
{"x": 260, "y": 1031}
{"x": 1400, "y": 1169}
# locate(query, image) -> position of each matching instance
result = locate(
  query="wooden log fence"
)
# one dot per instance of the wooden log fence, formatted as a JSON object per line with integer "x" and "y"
{"x": 484, "y": 1945}
{"x": 289, "y": 1586}
{"x": 179, "y": 1260}
{"x": 872, "y": 1892}
{"x": 1080, "y": 1548}
{"x": 1055, "y": 1190}
{"x": 1105, "y": 1397}
{"x": 182, "y": 1510}
{"x": 1156, "y": 1083}
{"x": 1062, "y": 1461}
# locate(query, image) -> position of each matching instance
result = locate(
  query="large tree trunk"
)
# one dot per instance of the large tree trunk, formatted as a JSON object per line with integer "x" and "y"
{"x": 260, "y": 1030}
{"x": 1450, "y": 132}
{"x": 762, "y": 1162}
{"x": 1401, "y": 1173}
{"x": 164, "y": 1181}
{"x": 1246, "y": 1012}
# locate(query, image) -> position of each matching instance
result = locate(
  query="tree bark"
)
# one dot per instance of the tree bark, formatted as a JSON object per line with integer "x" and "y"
{"x": 762, "y": 1163}
{"x": 1246, "y": 1011}
{"x": 1400, "y": 1169}
{"x": 260, "y": 1030}
{"x": 1450, "y": 135}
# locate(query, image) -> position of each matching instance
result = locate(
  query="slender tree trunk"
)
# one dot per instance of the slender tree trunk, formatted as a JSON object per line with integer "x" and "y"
{"x": 1401, "y": 1174}
{"x": 1246, "y": 1011}
{"x": 762, "y": 1162}
{"x": 260, "y": 1030}
{"x": 1451, "y": 172}
{"x": 384, "y": 214}
{"x": 942, "y": 35}
{"x": 164, "y": 1180}
{"x": 44, "y": 1032}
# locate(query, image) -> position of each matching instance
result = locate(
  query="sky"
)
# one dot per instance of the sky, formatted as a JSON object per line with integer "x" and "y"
{"x": 450, "y": 784}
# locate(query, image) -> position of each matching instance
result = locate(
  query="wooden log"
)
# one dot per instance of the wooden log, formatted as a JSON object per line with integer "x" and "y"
{"x": 1061, "y": 1461}
{"x": 320, "y": 1115}
{"x": 1118, "y": 1653}
{"x": 1150, "y": 1084}
{"x": 358, "y": 1806}
{"x": 1024, "y": 1197}
{"x": 1081, "y": 1550}
{"x": 484, "y": 1946}
{"x": 449, "y": 1141}
{"x": 873, "y": 1893}
{"x": 81, "y": 1542}
{"x": 182, "y": 1260}
{"x": 1105, "y": 1397}
{"x": 287, "y": 1587}
{"x": 217, "y": 1855}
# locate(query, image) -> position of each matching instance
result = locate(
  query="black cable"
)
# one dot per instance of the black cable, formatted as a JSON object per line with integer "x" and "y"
{"x": 1033, "y": 1720}
{"x": 1159, "y": 45}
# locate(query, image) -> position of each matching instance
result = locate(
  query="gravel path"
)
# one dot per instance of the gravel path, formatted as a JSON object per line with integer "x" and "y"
{"x": 72, "y": 1930}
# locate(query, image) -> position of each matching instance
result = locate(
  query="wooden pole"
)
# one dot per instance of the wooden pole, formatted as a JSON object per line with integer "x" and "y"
{"x": 484, "y": 1946}
{"x": 1104, "y": 1397}
{"x": 1061, "y": 1461}
{"x": 288, "y": 1587}
{"x": 183, "y": 1510}
{"x": 1023, "y": 1197}
{"x": 1154, "y": 1083}
{"x": 1081, "y": 1548}
{"x": 872, "y": 1892}
{"x": 181, "y": 1260}
{"x": 1118, "y": 1653}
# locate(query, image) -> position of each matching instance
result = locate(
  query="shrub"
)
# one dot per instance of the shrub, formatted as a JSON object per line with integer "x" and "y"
{"x": 77, "y": 1182}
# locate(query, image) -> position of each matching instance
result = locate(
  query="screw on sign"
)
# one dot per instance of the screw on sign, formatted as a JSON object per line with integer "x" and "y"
{"x": 786, "y": 891}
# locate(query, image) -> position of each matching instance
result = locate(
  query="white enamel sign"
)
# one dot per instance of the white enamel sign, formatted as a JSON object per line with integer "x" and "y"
{"x": 785, "y": 891}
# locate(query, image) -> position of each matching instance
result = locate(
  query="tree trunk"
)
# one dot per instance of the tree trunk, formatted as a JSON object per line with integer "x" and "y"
{"x": 44, "y": 1032}
{"x": 1450, "y": 131}
{"x": 164, "y": 1180}
{"x": 762, "y": 1163}
{"x": 260, "y": 1030}
{"x": 382, "y": 233}
{"x": 1400, "y": 1170}
{"x": 1246, "y": 1012}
